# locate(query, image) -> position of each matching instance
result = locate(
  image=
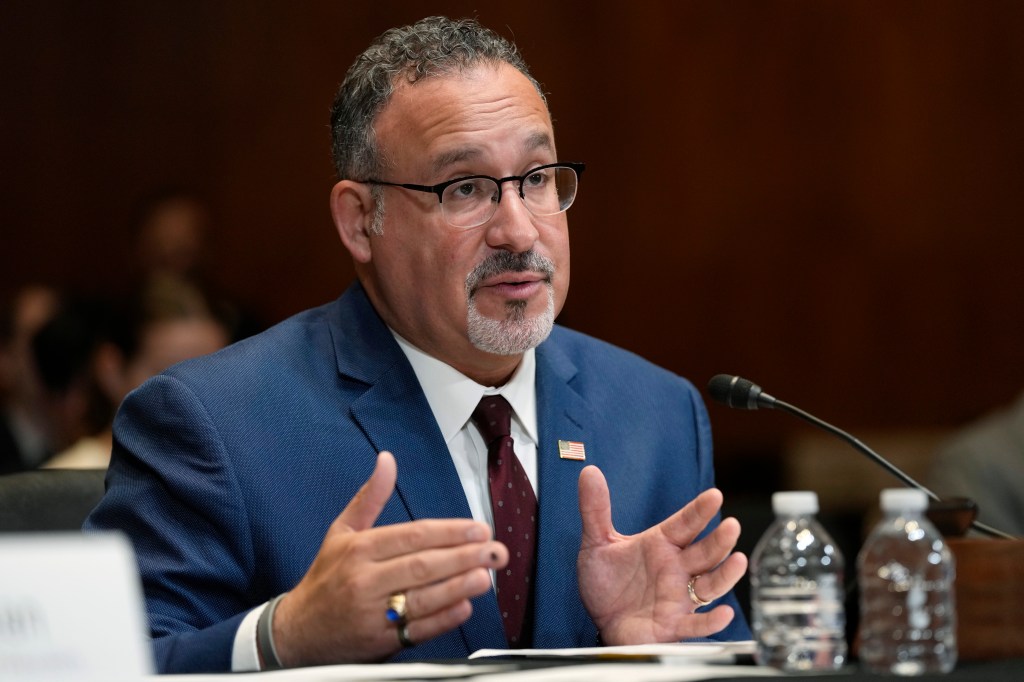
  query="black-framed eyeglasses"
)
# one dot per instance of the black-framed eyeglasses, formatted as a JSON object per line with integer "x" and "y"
{"x": 471, "y": 201}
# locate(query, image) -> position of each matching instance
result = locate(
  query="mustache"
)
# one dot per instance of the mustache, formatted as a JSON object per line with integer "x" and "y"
{"x": 501, "y": 262}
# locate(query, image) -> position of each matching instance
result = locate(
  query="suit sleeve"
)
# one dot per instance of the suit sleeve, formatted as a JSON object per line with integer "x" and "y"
{"x": 171, "y": 489}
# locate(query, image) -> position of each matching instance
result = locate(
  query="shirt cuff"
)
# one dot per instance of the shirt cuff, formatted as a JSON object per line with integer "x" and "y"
{"x": 244, "y": 656}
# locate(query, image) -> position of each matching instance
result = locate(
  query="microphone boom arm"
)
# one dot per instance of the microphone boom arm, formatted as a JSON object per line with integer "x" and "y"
{"x": 743, "y": 394}
{"x": 871, "y": 454}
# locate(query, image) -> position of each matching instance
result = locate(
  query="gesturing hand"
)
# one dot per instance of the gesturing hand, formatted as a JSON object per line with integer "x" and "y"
{"x": 337, "y": 611}
{"x": 635, "y": 587}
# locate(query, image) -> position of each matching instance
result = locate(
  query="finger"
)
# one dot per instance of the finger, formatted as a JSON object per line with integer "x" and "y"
{"x": 429, "y": 566}
{"x": 710, "y": 550}
{"x": 698, "y": 625}
{"x": 717, "y": 582}
{"x": 422, "y": 629}
{"x": 400, "y": 539}
{"x": 362, "y": 510}
{"x": 595, "y": 508}
{"x": 682, "y": 527}
{"x": 443, "y": 595}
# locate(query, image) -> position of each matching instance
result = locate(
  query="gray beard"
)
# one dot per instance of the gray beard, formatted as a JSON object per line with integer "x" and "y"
{"x": 516, "y": 333}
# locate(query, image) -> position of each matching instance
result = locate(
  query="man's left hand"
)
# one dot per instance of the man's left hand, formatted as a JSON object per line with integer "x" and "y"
{"x": 635, "y": 586}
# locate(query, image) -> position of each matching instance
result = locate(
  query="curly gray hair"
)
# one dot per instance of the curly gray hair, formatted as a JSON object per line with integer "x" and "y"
{"x": 430, "y": 47}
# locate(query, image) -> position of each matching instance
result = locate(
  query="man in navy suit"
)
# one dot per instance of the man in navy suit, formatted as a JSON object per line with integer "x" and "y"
{"x": 318, "y": 493}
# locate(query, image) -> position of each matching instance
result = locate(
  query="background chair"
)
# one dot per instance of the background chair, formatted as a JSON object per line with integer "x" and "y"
{"x": 49, "y": 499}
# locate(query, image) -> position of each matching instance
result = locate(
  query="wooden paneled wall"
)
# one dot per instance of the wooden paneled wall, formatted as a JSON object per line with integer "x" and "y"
{"x": 823, "y": 196}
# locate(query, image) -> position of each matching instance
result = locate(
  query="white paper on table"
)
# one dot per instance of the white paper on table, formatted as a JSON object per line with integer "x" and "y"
{"x": 675, "y": 652}
{"x": 634, "y": 672}
{"x": 684, "y": 661}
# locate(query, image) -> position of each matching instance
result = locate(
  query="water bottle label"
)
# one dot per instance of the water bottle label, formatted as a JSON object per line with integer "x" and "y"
{"x": 904, "y": 581}
{"x": 800, "y": 597}
{"x": 783, "y": 608}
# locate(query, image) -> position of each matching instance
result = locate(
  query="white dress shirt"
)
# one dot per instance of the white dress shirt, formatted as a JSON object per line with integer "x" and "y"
{"x": 452, "y": 397}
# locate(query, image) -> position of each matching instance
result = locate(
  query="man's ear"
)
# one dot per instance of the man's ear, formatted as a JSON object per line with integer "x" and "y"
{"x": 352, "y": 207}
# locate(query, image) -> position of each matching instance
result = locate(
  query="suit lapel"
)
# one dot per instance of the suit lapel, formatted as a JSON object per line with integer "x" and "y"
{"x": 559, "y": 617}
{"x": 393, "y": 413}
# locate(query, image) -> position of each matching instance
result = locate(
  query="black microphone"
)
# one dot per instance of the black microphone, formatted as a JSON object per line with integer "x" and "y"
{"x": 739, "y": 393}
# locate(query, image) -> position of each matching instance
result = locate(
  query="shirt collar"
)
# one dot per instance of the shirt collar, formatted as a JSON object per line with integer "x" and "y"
{"x": 453, "y": 396}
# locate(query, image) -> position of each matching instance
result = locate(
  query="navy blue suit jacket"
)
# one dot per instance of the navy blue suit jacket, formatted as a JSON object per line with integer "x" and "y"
{"x": 227, "y": 471}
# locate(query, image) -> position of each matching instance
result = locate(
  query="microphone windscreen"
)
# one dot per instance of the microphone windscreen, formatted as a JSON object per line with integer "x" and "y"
{"x": 734, "y": 391}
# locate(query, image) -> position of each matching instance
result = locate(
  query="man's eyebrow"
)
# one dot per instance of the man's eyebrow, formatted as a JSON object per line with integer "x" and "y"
{"x": 452, "y": 157}
{"x": 538, "y": 140}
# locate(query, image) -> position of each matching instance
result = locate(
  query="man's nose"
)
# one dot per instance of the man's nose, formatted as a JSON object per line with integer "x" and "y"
{"x": 512, "y": 225}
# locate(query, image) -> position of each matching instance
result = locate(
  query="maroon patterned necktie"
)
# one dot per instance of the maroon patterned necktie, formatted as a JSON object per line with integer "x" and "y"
{"x": 515, "y": 517}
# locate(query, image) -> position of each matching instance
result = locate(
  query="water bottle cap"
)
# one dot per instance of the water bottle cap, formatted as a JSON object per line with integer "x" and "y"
{"x": 794, "y": 502}
{"x": 903, "y": 499}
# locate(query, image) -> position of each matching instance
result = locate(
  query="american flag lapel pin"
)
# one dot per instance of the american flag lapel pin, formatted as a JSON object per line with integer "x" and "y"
{"x": 570, "y": 449}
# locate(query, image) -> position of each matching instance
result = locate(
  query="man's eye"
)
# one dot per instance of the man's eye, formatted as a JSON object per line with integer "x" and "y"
{"x": 472, "y": 189}
{"x": 538, "y": 179}
{"x": 465, "y": 189}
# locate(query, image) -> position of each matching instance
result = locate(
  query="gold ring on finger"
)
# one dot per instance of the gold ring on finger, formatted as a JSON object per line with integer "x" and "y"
{"x": 398, "y": 608}
{"x": 693, "y": 594}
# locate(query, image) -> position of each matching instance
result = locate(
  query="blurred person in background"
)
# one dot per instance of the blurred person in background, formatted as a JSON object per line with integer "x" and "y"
{"x": 984, "y": 461}
{"x": 62, "y": 352}
{"x": 171, "y": 229}
{"x": 117, "y": 350}
{"x": 24, "y": 429}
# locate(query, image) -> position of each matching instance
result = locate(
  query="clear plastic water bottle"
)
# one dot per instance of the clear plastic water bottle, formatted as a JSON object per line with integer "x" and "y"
{"x": 907, "y": 608}
{"x": 796, "y": 590}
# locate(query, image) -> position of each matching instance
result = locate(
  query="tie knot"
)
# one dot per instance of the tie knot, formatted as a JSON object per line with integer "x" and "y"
{"x": 493, "y": 416}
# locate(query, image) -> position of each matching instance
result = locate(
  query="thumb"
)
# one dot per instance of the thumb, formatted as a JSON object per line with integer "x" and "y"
{"x": 595, "y": 508}
{"x": 363, "y": 509}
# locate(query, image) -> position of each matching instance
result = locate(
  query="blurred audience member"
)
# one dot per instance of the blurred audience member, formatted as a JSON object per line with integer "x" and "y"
{"x": 985, "y": 462}
{"x": 168, "y": 323}
{"x": 24, "y": 431}
{"x": 63, "y": 350}
{"x": 171, "y": 232}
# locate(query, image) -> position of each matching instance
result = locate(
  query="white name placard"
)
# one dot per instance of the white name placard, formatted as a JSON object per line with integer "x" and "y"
{"x": 71, "y": 608}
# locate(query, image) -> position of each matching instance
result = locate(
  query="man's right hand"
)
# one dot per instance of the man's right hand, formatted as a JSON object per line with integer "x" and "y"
{"x": 336, "y": 614}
